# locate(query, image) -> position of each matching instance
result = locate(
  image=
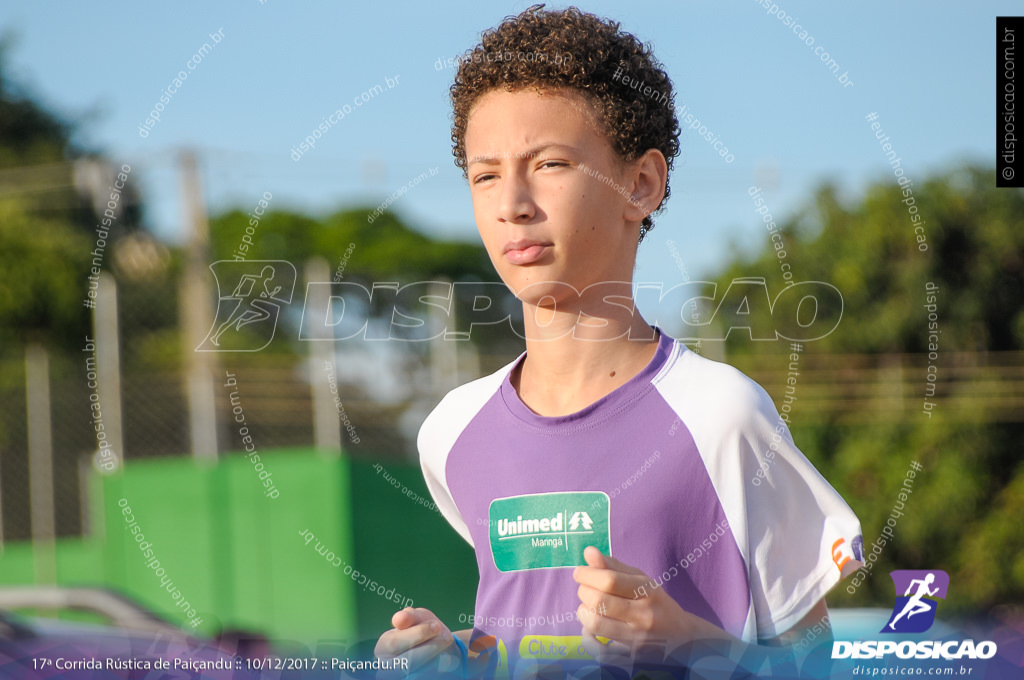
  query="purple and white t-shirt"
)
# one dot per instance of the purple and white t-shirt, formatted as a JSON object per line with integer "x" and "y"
{"x": 685, "y": 472}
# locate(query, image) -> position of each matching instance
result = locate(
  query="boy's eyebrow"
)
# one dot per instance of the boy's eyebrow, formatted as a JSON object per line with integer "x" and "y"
{"x": 494, "y": 159}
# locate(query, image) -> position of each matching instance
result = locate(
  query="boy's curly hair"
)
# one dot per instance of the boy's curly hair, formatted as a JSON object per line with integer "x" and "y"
{"x": 573, "y": 50}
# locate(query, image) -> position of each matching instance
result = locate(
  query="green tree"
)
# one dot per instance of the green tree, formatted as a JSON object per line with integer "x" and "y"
{"x": 868, "y": 251}
{"x": 47, "y": 222}
{"x": 388, "y": 250}
{"x": 43, "y": 284}
{"x": 54, "y": 176}
{"x": 965, "y": 509}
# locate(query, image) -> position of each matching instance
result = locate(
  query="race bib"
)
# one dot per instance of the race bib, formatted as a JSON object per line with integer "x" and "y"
{"x": 547, "y": 530}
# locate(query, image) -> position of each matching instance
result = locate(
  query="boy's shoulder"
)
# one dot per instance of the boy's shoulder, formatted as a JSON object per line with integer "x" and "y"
{"x": 695, "y": 385}
{"x": 458, "y": 407}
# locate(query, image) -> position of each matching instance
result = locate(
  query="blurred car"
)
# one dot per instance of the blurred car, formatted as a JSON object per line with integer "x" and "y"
{"x": 129, "y": 643}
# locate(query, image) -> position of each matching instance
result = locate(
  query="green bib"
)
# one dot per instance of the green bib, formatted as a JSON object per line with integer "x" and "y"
{"x": 546, "y": 530}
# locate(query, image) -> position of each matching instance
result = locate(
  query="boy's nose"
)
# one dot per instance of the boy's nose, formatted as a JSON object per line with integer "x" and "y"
{"x": 516, "y": 203}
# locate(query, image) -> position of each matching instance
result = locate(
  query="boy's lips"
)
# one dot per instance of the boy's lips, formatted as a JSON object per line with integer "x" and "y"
{"x": 525, "y": 251}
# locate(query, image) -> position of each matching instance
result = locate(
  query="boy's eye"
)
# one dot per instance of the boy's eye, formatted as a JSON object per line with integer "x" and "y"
{"x": 543, "y": 164}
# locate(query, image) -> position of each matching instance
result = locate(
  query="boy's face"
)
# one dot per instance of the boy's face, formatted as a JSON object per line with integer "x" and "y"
{"x": 542, "y": 218}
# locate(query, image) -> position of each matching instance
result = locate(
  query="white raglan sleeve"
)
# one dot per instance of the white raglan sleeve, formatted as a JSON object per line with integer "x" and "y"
{"x": 802, "y": 536}
{"x": 795, "y": 532}
{"x": 434, "y": 442}
{"x": 441, "y": 431}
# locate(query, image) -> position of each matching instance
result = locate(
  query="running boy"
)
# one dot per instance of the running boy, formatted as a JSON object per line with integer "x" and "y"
{"x": 565, "y": 163}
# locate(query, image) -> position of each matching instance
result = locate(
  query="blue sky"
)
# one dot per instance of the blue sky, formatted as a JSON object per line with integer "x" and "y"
{"x": 927, "y": 69}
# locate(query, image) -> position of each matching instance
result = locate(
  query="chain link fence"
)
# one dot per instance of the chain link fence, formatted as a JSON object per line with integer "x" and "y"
{"x": 274, "y": 387}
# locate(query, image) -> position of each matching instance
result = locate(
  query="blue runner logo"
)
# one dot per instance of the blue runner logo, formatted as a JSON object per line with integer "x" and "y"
{"x": 914, "y": 611}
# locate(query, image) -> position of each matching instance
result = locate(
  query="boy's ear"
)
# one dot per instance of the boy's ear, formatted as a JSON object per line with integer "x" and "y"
{"x": 649, "y": 174}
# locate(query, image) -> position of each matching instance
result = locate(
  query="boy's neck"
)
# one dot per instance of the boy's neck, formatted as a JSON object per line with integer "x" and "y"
{"x": 569, "y": 365}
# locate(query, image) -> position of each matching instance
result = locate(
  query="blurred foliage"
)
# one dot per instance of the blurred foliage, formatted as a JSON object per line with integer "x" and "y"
{"x": 29, "y": 133}
{"x": 45, "y": 258}
{"x": 47, "y": 219}
{"x": 964, "y": 513}
{"x": 40, "y": 162}
{"x": 42, "y": 288}
{"x": 868, "y": 251}
{"x": 387, "y": 250}
{"x": 47, "y": 235}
